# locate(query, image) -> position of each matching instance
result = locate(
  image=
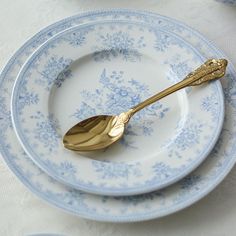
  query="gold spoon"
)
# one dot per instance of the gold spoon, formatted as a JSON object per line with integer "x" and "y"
{"x": 101, "y": 131}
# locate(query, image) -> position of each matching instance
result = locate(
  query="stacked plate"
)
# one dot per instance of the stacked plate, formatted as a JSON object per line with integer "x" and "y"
{"x": 104, "y": 63}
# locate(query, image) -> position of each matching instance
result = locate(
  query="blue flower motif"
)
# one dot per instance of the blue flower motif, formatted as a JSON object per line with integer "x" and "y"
{"x": 178, "y": 68}
{"x": 85, "y": 111}
{"x": 163, "y": 171}
{"x": 64, "y": 169}
{"x": 5, "y": 115}
{"x": 72, "y": 198}
{"x": 55, "y": 72}
{"x": 190, "y": 181}
{"x": 181, "y": 69}
{"x": 118, "y": 44}
{"x": 189, "y": 135}
{"x": 109, "y": 170}
{"x": 75, "y": 199}
{"x": 138, "y": 199}
{"x": 47, "y": 131}
{"x": 162, "y": 42}
{"x": 190, "y": 185}
{"x": 211, "y": 104}
{"x": 78, "y": 38}
{"x": 27, "y": 98}
{"x": 116, "y": 95}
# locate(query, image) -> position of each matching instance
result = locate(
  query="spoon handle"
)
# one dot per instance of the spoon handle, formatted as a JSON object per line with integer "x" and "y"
{"x": 212, "y": 69}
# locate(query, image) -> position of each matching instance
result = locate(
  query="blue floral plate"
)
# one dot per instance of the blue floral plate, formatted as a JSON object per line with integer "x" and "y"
{"x": 130, "y": 208}
{"x": 105, "y": 68}
{"x": 229, "y": 2}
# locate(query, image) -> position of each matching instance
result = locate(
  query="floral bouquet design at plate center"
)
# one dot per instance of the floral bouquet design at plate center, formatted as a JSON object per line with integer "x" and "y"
{"x": 116, "y": 95}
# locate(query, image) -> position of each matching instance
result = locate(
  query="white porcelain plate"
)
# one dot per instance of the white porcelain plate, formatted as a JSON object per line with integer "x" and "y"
{"x": 130, "y": 208}
{"x": 108, "y": 67}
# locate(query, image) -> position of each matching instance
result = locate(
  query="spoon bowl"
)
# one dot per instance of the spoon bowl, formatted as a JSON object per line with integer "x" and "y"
{"x": 94, "y": 133}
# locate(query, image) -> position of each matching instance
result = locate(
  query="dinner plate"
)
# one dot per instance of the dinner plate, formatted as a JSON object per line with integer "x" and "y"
{"x": 108, "y": 67}
{"x": 130, "y": 208}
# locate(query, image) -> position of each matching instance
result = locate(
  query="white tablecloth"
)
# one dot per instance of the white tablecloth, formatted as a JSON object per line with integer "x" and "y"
{"x": 22, "y": 213}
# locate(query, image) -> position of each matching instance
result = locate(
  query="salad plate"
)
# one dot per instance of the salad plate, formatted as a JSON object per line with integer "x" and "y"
{"x": 92, "y": 69}
{"x": 130, "y": 208}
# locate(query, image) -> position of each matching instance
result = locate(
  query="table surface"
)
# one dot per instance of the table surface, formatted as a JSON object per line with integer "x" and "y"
{"x": 23, "y": 213}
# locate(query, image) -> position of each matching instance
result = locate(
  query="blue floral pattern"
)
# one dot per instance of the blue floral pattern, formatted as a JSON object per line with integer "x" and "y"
{"x": 178, "y": 68}
{"x": 211, "y": 104}
{"x": 27, "y": 98}
{"x": 163, "y": 41}
{"x": 5, "y": 116}
{"x": 189, "y": 136}
{"x": 190, "y": 185}
{"x": 116, "y": 95}
{"x": 118, "y": 44}
{"x": 55, "y": 72}
{"x": 190, "y": 181}
{"x": 78, "y": 38}
{"x": 181, "y": 69}
{"x": 65, "y": 169}
{"x": 47, "y": 131}
{"x": 163, "y": 171}
{"x": 116, "y": 170}
{"x": 137, "y": 199}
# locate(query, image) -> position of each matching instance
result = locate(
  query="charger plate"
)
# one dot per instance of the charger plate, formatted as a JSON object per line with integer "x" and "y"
{"x": 130, "y": 208}
{"x": 107, "y": 68}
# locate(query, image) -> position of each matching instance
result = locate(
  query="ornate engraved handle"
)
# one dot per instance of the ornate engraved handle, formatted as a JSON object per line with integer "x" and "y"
{"x": 211, "y": 70}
